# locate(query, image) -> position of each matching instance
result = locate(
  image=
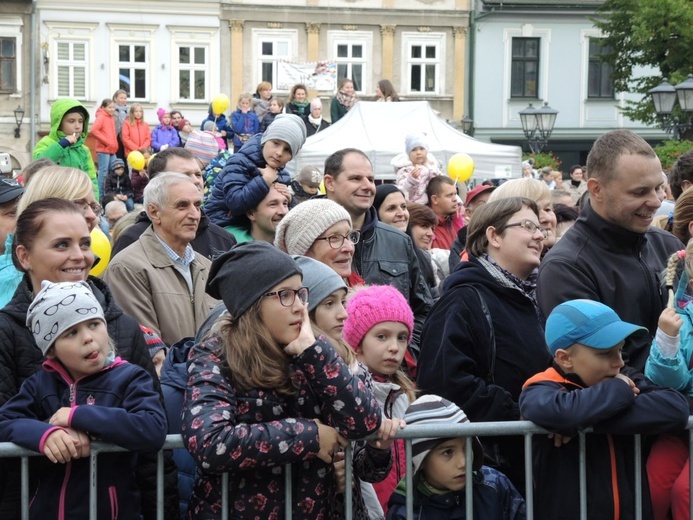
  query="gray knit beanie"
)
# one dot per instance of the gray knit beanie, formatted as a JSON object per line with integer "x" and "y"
{"x": 289, "y": 128}
{"x": 320, "y": 279}
{"x": 433, "y": 410}
{"x": 59, "y": 306}
{"x": 414, "y": 140}
{"x": 299, "y": 228}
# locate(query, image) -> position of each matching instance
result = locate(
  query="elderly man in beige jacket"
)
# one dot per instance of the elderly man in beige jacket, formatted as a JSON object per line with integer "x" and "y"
{"x": 159, "y": 280}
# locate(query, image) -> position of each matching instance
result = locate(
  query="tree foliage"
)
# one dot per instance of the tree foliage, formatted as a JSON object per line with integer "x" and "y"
{"x": 653, "y": 34}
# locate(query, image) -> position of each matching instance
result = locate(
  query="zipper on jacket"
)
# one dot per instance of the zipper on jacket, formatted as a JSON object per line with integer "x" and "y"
{"x": 72, "y": 394}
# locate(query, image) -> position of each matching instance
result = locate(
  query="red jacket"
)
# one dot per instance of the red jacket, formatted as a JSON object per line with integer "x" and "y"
{"x": 104, "y": 132}
{"x": 136, "y": 136}
{"x": 446, "y": 231}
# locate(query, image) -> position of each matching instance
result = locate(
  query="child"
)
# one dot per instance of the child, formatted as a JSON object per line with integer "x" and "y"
{"x": 306, "y": 184}
{"x": 669, "y": 365}
{"x": 276, "y": 106}
{"x": 120, "y": 97}
{"x": 586, "y": 388}
{"x": 104, "y": 132}
{"x": 156, "y": 346}
{"x": 298, "y": 102}
{"x": 264, "y": 392}
{"x": 416, "y": 169}
{"x": 441, "y": 470}
{"x": 244, "y": 122}
{"x": 221, "y": 125}
{"x": 64, "y": 144}
{"x": 249, "y": 174}
{"x": 118, "y": 186}
{"x": 164, "y": 135}
{"x": 136, "y": 133}
{"x": 139, "y": 178}
{"x": 211, "y": 128}
{"x": 379, "y": 328}
{"x": 262, "y": 98}
{"x": 83, "y": 392}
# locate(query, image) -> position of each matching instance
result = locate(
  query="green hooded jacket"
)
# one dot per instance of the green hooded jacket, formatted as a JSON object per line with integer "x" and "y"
{"x": 77, "y": 155}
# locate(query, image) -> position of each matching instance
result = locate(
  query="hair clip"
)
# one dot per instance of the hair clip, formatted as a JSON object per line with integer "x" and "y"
{"x": 681, "y": 253}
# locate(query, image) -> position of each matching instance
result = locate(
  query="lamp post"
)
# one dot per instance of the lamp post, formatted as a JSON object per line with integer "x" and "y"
{"x": 467, "y": 125}
{"x": 664, "y": 97}
{"x": 538, "y": 125}
{"x": 18, "y": 117}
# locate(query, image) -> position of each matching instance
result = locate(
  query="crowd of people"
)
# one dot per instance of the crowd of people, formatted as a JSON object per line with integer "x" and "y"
{"x": 273, "y": 320}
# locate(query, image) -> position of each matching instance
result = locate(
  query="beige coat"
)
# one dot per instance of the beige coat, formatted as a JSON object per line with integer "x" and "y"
{"x": 148, "y": 287}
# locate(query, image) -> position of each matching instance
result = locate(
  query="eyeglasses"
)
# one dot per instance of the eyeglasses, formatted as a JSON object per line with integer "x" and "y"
{"x": 287, "y": 297}
{"x": 336, "y": 241}
{"x": 528, "y": 226}
{"x": 85, "y": 205}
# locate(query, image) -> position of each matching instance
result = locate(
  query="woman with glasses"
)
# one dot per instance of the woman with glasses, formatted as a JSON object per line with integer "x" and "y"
{"x": 263, "y": 392}
{"x": 321, "y": 229}
{"x": 483, "y": 338}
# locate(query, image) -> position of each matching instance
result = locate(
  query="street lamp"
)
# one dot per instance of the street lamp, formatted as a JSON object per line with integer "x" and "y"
{"x": 18, "y": 117}
{"x": 467, "y": 124}
{"x": 538, "y": 125}
{"x": 664, "y": 97}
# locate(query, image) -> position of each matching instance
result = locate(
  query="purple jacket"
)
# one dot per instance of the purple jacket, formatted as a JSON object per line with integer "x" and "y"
{"x": 162, "y": 135}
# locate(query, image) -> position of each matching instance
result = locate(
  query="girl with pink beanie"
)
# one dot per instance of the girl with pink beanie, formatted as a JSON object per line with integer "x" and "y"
{"x": 379, "y": 328}
{"x": 164, "y": 135}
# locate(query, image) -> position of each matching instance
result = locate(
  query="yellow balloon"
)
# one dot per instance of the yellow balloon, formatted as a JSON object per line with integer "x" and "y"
{"x": 101, "y": 247}
{"x": 321, "y": 188}
{"x": 136, "y": 160}
{"x": 460, "y": 167}
{"x": 220, "y": 104}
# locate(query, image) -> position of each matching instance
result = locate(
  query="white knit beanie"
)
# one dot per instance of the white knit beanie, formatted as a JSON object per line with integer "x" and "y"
{"x": 299, "y": 228}
{"x": 414, "y": 140}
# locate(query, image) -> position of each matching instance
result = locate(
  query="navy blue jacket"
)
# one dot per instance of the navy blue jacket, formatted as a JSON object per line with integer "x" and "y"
{"x": 118, "y": 405}
{"x": 562, "y": 403}
{"x": 221, "y": 122}
{"x": 240, "y": 186}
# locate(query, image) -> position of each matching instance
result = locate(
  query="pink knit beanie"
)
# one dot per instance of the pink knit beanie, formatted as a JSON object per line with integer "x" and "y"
{"x": 161, "y": 113}
{"x": 372, "y": 305}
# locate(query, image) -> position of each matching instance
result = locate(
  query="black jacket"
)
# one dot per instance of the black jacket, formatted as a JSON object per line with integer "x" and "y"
{"x": 210, "y": 240}
{"x": 311, "y": 129}
{"x": 116, "y": 185}
{"x": 598, "y": 260}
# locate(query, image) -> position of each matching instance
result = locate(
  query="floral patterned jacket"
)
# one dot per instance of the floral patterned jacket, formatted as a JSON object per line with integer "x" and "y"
{"x": 252, "y": 434}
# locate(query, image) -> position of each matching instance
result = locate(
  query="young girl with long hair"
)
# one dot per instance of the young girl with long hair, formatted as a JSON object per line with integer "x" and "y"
{"x": 136, "y": 133}
{"x": 104, "y": 132}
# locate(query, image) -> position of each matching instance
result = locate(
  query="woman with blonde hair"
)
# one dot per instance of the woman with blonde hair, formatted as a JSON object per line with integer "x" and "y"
{"x": 344, "y": 99}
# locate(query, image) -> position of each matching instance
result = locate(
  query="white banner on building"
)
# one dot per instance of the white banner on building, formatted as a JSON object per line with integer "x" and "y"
{"x": 316, "y": 75}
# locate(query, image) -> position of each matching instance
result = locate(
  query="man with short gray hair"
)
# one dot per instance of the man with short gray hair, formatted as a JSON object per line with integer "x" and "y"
{"x": 159, "y": 280}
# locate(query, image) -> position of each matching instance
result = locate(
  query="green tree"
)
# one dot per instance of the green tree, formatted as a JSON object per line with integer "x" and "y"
{"x": 652, "y": 34}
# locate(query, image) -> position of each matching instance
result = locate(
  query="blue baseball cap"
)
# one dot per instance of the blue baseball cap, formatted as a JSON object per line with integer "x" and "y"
{"x": 586, "y": 322}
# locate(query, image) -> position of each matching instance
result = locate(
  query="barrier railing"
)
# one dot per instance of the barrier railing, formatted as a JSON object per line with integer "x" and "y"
{"x": 525, "y": 428}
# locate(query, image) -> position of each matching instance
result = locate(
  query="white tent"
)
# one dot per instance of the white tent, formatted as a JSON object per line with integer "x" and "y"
{"x": 379, "y": 129}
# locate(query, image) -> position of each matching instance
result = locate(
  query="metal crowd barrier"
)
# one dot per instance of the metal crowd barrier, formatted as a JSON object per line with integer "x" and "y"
{"x": 525, "y": 428}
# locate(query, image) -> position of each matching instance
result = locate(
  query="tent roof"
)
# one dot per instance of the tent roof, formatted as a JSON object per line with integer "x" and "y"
{"x": 379, "y": 130}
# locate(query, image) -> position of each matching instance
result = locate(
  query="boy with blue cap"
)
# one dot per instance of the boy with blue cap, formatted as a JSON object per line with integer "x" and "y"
{"x": 588, "y": 386}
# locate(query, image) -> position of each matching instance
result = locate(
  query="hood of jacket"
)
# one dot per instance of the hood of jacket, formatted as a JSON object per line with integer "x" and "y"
{"x": 174, "y": 372}
{"x": 58, "y": 110}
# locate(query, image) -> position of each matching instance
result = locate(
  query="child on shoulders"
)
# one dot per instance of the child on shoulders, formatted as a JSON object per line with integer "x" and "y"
{"x": 415, "y": 169}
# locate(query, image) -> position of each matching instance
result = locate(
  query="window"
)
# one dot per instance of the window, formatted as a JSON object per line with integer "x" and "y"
{"x": 423, "y": 63}
{"x": 350, "y": 59}
{"x": 271, "y": 51}
{"x": 524, "y": 80}
{"x": 71, "y": 66}
{"x": 599, "y": 83}
{"x": 192, "y": 72}
{"x": 8, "y": 64}
{"x": 132, "y": 70}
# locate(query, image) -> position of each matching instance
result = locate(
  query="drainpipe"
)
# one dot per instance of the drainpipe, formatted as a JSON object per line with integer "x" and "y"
{"x": 32, "y": 80}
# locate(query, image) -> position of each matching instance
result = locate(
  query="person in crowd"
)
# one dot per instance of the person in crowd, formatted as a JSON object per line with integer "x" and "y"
{"x": 415, "y": 168}
{"x": 306, "y": 184}
{"x": 321, "y": 229}
{"x": 681, "y": 174}
{"x": 343, "y": 101}
{"x": 261, "y": 222}
{"x": 315, "y": 122}
{"x": 34, "y": 166}
{"x": 114, "y": 211}
{"x": 475, "y": 198}
{"x": 547, "y": 178}
{"x": 391, "y": 206}
{"x": 383, "y": 256}
{"x": 64, "y": 144}
{"x": 104, "y": 132}
{"x": 249, "y": 174}
{"x": 483, "y": 338}
{"x": 561, "y": 197}
{"x": 379, "y": 328}
{"x": 442, "y": 471}
{"x": 541, "y": 195}
{"x": 276, "y": 106}
{"x": 577, "y": 185}
{"x": 140, "y": 178}
{"x": 209, "y": 128}
{"x": 159, "y": 279}
{"x": 385, "y": 91}
{"x": 421, "y": 229}
{"x": 120, "y": 98}
{"x": 182, "y": 126}
{"x": 221, "y": 123}
{"x": 118, "y": 186}
{"x": 298, "y": 103}
{"x": 114, "y": 401}
{"x": 679, "y": 224}
{"x": 565, "y": 219}
{"x": 612, "y": 239}
{"x": 203, "y": 145}
{"x": 261, "y": 99}
{"x": 122, "y": 224}
{"x": 244, "y": 122}
{"x": 165, "y": 134}
{"x": 666, "y": 198}
{"x": 136, "y": 133}
{"x": 441, "y": 192}
{"x": 264, "y": 338}
{"x": 588, "y": 385}
{"x": 10, "y": 191}
{"x": 210, "y": 240}
{"x": 156, "y": 346}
